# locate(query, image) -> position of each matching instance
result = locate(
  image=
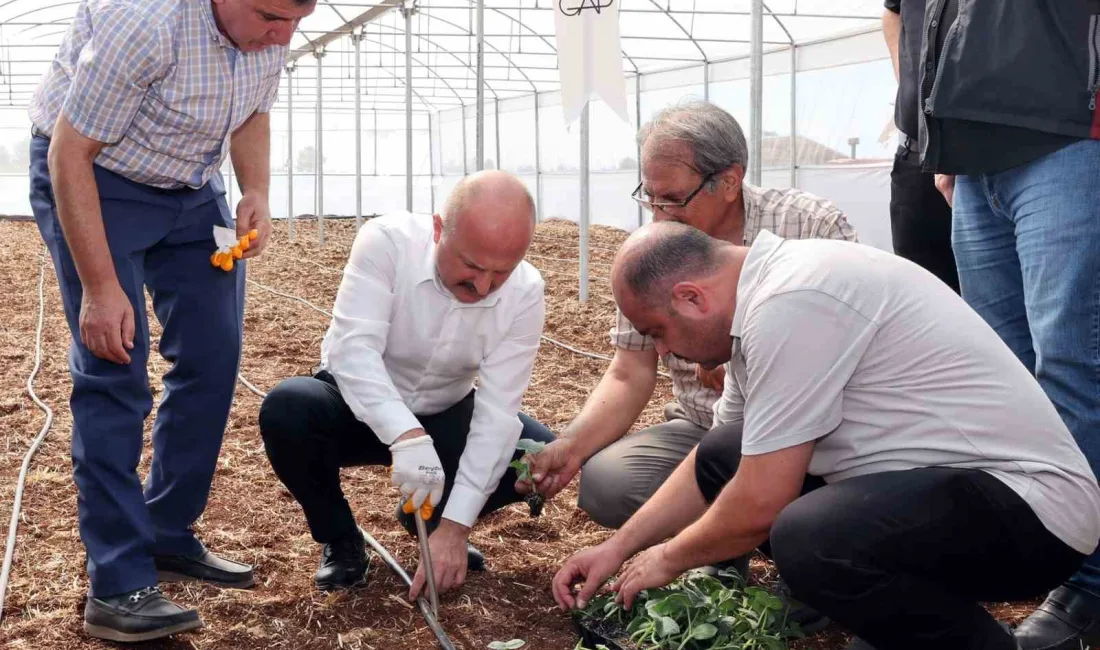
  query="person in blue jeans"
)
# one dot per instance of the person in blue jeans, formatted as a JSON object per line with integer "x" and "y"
{"x": 142, "y": 104}
{"x": 1013, "y": 132}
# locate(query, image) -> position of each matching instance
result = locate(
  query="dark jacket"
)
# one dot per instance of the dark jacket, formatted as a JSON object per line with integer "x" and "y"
{"x": 1033, "y": 64}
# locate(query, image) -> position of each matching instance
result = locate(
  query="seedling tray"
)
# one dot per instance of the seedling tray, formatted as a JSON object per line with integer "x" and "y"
{"x": 599, "y": 632}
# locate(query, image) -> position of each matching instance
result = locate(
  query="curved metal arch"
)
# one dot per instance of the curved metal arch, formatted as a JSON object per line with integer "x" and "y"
{"x": 495, "y": 49}
{"x": 668, "y": 14}
{"x": 779, "y": 22}
{"x": 49, "y": 24}
{"x": 443, "y": 51}
{"x": 37, "y": 9}
{"x": 418, "y": 62}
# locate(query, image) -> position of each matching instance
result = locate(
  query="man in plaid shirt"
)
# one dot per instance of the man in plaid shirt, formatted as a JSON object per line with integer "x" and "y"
{"x": 693, "y": 163}
{"x": 139, "y": 109}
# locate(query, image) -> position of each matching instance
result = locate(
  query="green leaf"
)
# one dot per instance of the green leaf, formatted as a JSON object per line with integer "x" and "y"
{"x": 704, "y": 632}
{"x": 667, "y": 626}
{"x": 507, "y": 645}
{"x": 530, "y": 446}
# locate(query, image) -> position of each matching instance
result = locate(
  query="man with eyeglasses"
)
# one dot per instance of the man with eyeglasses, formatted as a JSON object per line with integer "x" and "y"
{"x": 693, "y": 161}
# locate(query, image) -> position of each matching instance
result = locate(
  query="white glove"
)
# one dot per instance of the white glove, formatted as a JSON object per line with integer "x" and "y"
{"x": 417, "y": 471}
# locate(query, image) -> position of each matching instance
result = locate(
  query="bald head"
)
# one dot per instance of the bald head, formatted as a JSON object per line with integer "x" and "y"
{"x": 494, "y": 203}
{"x": 483, "y": 233}
{"x": 658, "y": 256}
{"x": 678, "y": 285}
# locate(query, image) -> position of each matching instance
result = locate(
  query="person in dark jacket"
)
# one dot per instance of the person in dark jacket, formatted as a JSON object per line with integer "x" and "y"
{"x": 1010, "y": 122}
{"x": 920, "y": 219}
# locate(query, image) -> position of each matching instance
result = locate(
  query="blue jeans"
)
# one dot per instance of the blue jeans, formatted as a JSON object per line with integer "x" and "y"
{"x": 1027, "y": 243}
{"x": 160, "y": 240}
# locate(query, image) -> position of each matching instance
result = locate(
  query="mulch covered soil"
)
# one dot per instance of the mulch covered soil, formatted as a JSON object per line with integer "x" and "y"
{"x": 251, "y": 518}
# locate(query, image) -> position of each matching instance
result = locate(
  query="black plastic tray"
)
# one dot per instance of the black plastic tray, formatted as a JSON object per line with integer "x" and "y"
{"x": 591, "y": 637}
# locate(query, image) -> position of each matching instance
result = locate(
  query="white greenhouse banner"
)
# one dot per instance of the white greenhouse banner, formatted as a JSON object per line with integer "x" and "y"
{"x": 590, "y": 55}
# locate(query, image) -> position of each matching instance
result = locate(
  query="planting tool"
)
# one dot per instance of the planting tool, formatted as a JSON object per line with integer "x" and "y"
{"x": 230, "y": 247}
{"x": 425, "y": 609}
{"x": 425, "y": 552}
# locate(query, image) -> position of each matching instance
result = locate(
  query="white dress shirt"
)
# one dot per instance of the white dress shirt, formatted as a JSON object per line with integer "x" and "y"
{"x": 400, "y": 344}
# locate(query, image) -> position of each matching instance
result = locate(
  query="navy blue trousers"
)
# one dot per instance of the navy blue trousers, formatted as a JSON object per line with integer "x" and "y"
{"x": 160, "y": 240}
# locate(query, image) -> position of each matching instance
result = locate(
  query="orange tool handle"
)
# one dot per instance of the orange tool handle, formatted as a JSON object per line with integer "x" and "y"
{"x": 425, "y": 510}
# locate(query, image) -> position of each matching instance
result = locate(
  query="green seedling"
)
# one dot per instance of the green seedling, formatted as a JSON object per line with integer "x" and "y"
{"x": 507, "y": 645}
{"x": 694, "y": 612}
{"x": 535, "y": 501}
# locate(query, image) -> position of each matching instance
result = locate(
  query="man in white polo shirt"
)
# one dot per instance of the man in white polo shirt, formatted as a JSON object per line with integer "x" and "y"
{"x": 427, "y": 304}
{"x": 874, "y": 436}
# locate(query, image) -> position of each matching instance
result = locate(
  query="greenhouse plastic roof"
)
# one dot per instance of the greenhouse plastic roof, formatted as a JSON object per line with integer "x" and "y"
{"x": 519, "y": 45}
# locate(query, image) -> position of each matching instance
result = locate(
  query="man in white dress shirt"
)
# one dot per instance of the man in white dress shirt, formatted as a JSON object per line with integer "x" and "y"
{"x": 427, "y": 304}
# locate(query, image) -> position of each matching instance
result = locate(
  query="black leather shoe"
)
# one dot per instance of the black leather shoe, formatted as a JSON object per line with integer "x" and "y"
{"x": 1067, "y": 619}
{"x": 343, "y": 565}
{"x": 475, "y": 560}
{"x": 140, "y": 615}
{"x": 809, "y": 620}
{"x": 205, "y": 567}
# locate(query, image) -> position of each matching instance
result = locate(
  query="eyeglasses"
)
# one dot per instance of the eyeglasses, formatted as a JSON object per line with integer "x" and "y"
{"x": 669, "y": 205}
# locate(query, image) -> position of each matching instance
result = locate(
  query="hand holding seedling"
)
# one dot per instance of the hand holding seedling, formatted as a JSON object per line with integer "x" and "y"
{"x": 550, "y": 470}
{"x": 650, "y": 568}
{"x": 448, "y": 550}
{"x": 526, "y": 479}
{"x": 593, "y": 566}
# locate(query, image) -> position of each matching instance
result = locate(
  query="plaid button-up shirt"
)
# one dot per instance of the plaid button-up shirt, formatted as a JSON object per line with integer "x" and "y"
{"x": 789, "y": 213}
{"x": 159, "y": 83}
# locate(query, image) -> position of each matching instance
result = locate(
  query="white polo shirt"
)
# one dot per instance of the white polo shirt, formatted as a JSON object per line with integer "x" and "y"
{"x": 401, "y": 345}
{"x": 887, "y": 369}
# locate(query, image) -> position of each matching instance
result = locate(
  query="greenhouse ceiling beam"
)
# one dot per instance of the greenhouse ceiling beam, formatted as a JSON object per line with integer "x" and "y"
{"x": 495, "y": 49}
{"x": 543, "y": 37}
{"x": 375, "y": 12}
{"x": 685, "y": 12}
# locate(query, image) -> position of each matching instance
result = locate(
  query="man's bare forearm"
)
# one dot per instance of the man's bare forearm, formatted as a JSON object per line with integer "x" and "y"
{"x": 76, "y": 196}
{"x": 250, "y": 151}
{"x": 615, "y": 404}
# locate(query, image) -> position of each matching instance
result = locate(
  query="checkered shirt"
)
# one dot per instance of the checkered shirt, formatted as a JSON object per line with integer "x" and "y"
{"x": 159, "y": 83}
{"x": 788, "y": 213}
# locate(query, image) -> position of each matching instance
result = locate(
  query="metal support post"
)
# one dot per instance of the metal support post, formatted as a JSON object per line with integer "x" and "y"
{"x": 479, "y": 133}
{"x": 794, "y": 116}
{"x": 290, "y": 151}
{"x": 756, "y": 90}
{"x": 496, "y": 129}
{"x": 584, "y": 205}
{"x": 431, "y": 161}
{"x": 706, "y": 81}
{"x": 319, "y": 160}
{"x": 637, "y": 128}
{"x": 407, "y": 10}
{"x": 357, "y": 40}
{"x": 538, "y": 164}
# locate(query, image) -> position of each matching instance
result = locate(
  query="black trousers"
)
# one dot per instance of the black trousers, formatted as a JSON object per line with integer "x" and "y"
{"x": 309, "y": 433}
{"x": 920, "y": 219}
{"x": 903, "y": 559}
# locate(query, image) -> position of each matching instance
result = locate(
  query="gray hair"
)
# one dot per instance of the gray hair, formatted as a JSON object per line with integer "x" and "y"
{"x": 674, "y": 253}
{"x": 713, "y": 135}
